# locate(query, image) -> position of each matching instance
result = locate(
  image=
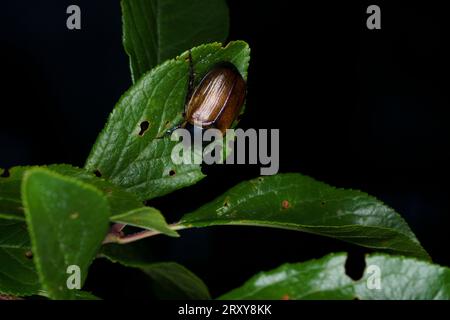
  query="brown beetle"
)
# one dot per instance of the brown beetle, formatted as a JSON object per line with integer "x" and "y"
{"x": 217, "y": 100}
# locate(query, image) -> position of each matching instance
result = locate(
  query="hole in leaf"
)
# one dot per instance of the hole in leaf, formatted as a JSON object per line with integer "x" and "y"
{"x": 172, "y": 173}
{"x": 355, "y": 265}
{"x": 188, "y": 57}
{"x": 226, "y": 202}
{"x": 144, "y": 127}
{"x": 322, "y": 203}
{"x": 98, "y": 173}
{"x": 5, "y": 173}
{"x": 29, "y": 254}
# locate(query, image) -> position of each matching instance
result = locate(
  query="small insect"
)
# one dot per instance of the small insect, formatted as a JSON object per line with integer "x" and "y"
{"x": 217, "y": 100}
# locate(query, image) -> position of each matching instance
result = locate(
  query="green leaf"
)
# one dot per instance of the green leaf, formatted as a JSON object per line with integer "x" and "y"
{"x": 139, "y": 161}
{"x": 13, "y": 234}
{"x": 67, "y": 220}
{"x": 147, "y": 218}
{"x": 10, "y": 199}
{"x": 131, "y": 254}
{"x": 173, "y": 281}
{"x": 124, "y": 205}
{"x": 120, "y": 201}
{"x": 169, "y": 280}
{"x": 297, "y": 202}
{"x": 10, "y": 202}
{"x": 405, "y": 279}
{"x": 316, "y": 279}
{"x": 18, "y": 276}
{"x": 155, "y": 30}
{"x": 400, "y": 278}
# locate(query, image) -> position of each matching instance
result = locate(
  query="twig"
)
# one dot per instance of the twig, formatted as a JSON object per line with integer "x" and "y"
{"x": 117, "y": 236}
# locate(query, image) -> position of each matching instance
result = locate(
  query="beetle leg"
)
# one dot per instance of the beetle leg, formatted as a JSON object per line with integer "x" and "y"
{"x": 191, "y": 82}
{"x": 171, "y": 130}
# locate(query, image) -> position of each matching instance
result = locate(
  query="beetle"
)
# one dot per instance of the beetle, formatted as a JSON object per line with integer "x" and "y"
{"x": 217, "y": 100}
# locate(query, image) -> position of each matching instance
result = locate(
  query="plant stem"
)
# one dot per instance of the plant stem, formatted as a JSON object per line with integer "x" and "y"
{"x": 116, "y": 235}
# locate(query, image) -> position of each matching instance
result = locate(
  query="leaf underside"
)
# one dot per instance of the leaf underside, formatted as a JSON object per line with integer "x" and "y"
{"x": 169, "y": 280}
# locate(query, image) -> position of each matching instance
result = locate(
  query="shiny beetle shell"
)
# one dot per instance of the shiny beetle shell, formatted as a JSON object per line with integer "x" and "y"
{"x": 218, "y": 99}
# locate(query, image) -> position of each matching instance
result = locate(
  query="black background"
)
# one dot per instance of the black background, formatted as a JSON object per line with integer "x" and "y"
{"x": 356, "y": 108}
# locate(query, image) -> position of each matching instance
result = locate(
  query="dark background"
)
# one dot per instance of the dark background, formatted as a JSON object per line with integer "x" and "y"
{"x": 356, "y": 108}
